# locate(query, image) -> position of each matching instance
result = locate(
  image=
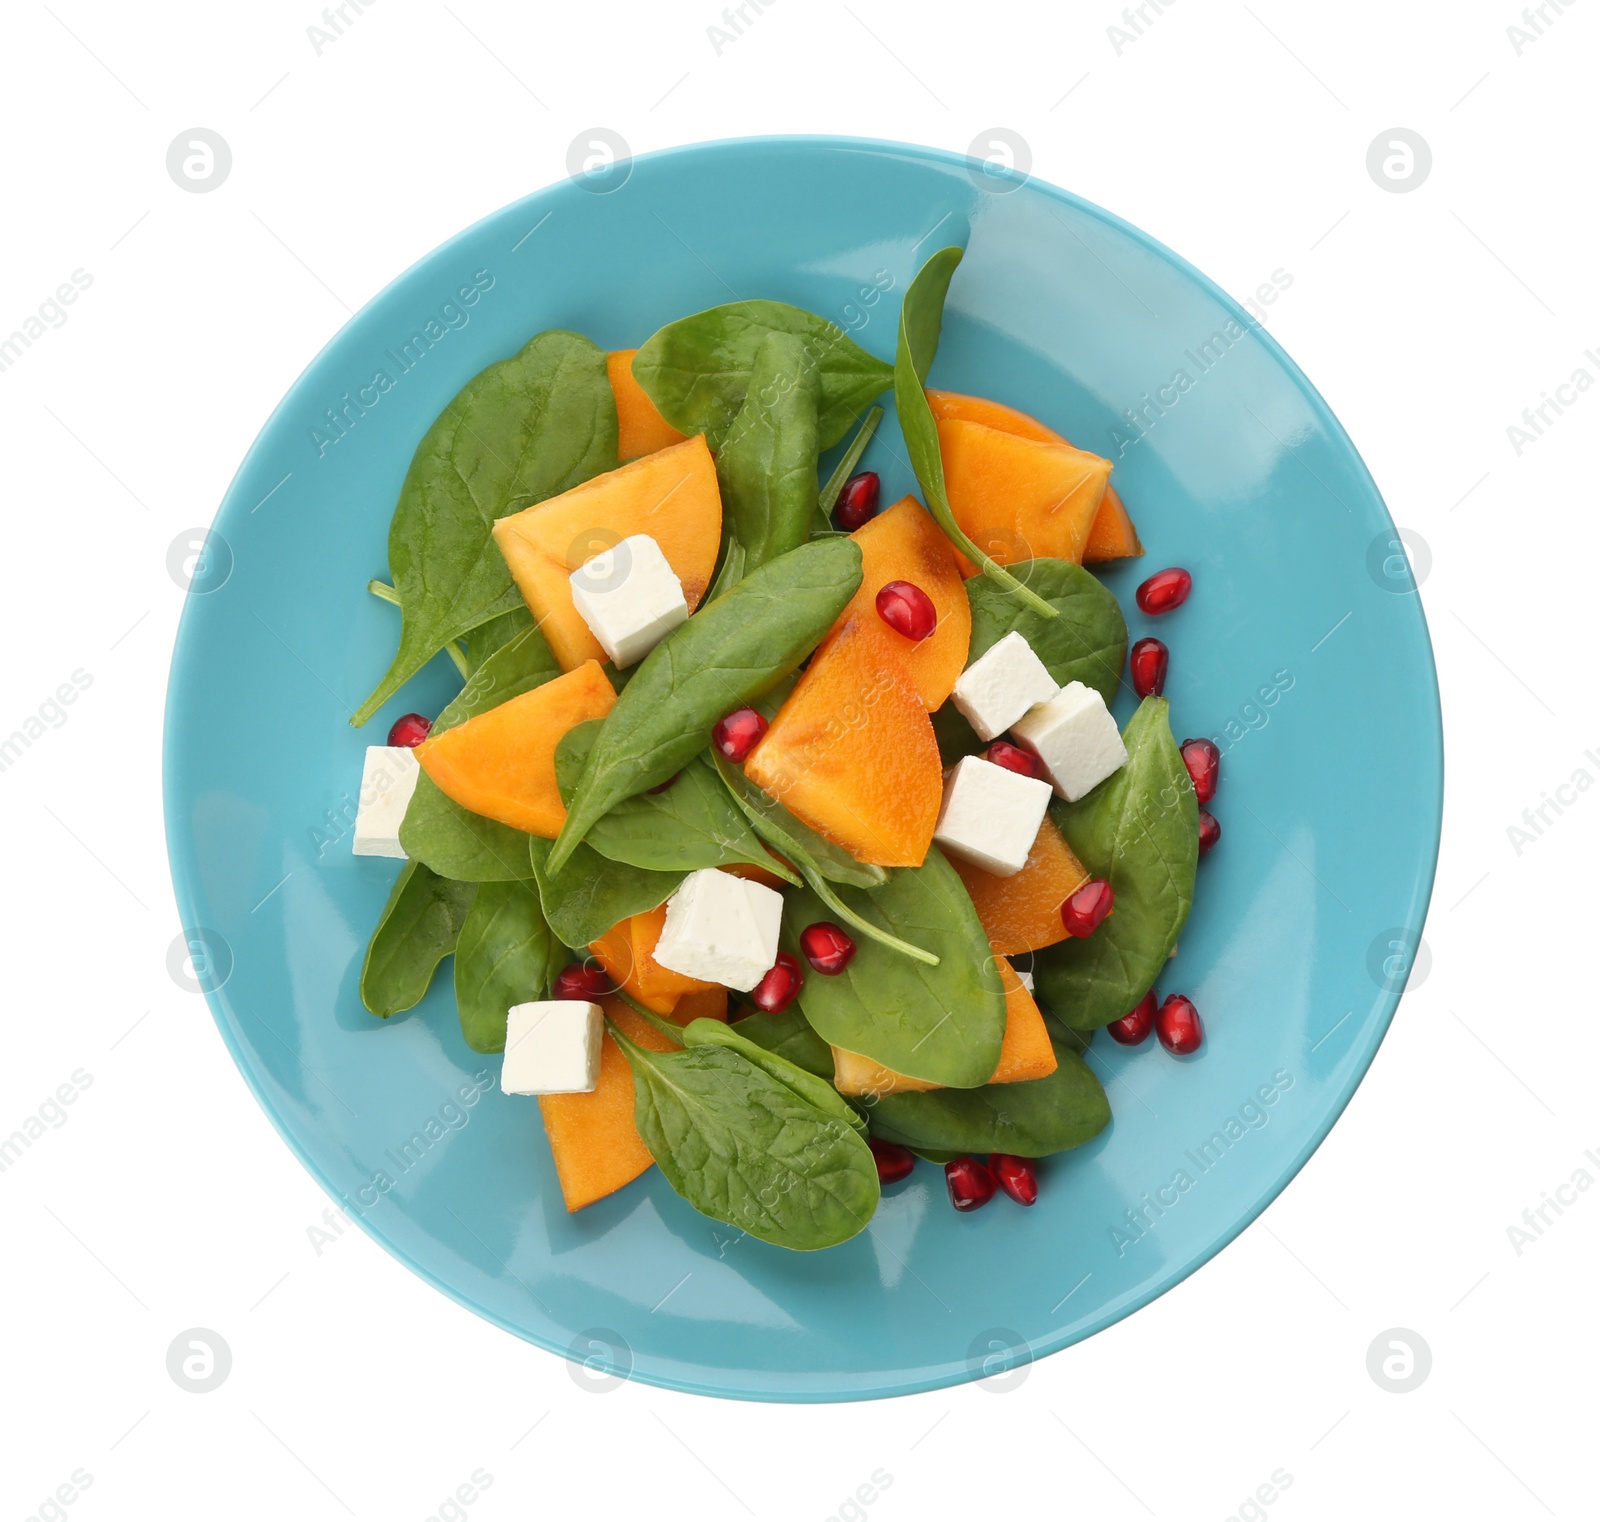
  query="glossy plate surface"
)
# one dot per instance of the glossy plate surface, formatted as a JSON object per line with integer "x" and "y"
{"x": 1303, "y": 651}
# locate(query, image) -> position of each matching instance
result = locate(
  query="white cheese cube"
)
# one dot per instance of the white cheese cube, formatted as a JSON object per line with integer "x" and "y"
{"x": 1002, "y": 685}
{"x": 991, "y": 816}
{"x": 388, "y": 778}
{"x": 1075, "y": 737}
{"x": 552, "y": 1047}
{"x": 630, "y": 597}
{"x": 721, "y": 928}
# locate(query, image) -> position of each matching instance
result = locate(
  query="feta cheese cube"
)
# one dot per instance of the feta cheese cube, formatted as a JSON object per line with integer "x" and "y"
{"x": 1075, "y": 737}
{"x": 991, "y": 816}
{"x": 630, "y": 597}
{"x": 1002, "y": 685}
{"x": 388, "y": 778}
{"x": 552, "y": 1047}
{"x": 721, "y": 928}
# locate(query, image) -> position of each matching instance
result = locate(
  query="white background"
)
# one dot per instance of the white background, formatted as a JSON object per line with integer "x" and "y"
{"x": 1237, "y": 134}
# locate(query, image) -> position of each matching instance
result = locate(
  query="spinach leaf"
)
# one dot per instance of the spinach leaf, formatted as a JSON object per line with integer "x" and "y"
{"x": 1086, "y": 642}
{"x": 956, "y": 737}
{"x": 792, "y": 840}
{"x": 480, "y": 643}
{"x": 457, "y": 843}
{"x": 730, "y": 651}
{"x": 586, "y": 897}
{"x": 1140, "y": 830}
{"x": 416, "y": 931}
{"x": 809, "y": 1086}
{"x": 788, "y": 1035}
{"x": 505, "y": 956}
{"x": 1029, "y": 1119}
{"x": 524, "y": 429}
{"x": 943, "y": 1024}
{"x": 828, "y": 497}
{"x": 697, "y": 370}
{"x": 692, "y": 824}
{"x": 767, "y": 465}
{"x": 921, "y": 316}
{"x": 744, "y": 1147}
{"x": 518, "y": 666}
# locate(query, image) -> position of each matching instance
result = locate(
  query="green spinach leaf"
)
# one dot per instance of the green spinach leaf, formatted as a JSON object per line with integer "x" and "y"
{"x": 589, "y": 894}
{"x": 416, "y": 931}
{"x": 524, "y": 429}
{"x": 518, "y": 666}
{"x": 809, "y": 1086}
{"x": 743, "y": 1147}
{"x": 697, "y": 370}
{"x": 729, "y": 652}
{"x": 956, "y": 737}
{"x": 1086, "y": 642}
{"x": 767, "y": 465}
{"x": 459, "y": 844}
{"x": 505, "y": 956}
{"x": 1140, "y": 830}
{"x": 921, "y": 316}
{"x": 943, "y": 1024}
{"x": 692, "y": 824}
{"x": 1029, "y": 1119}
{"x": 789, "y": 1035}
{"x": 480, "y": 643}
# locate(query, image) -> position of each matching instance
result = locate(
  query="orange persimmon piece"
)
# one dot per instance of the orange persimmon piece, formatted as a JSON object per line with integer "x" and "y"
{"x": 670, "y": 495}
{"x": 1023, "y": 912}
{"x": 595, "y": 1144}
{"x": 851, "y": 752}
{"x": 903, "y": 543}
{"x": 640, "y": 428}
{"x": 502, "y": 764}
{"x": 1112, "y": 535}
{"x": 1025, "y": 1050}
{"x": 1018, "y": 498}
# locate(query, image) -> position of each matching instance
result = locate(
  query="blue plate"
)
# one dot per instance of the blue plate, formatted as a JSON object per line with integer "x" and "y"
{"x": 1302, "y": 651}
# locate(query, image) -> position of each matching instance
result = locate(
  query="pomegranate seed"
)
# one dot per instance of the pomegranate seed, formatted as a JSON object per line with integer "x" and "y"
{"x": 1148, "y": 663}
{"x": 1016, "y": 1176}
{"x": 575, "y": 981}
{"x": 1015, "y": 759}
{"x": 894, "y": 1161}
{"x": 736, "y": 733}
{"x": 1164, "y": 591}
{"x": 661, "y": 787}
{"x": 777, "y": 988}
{"x": 858, "y": 501}
{"x": 827, "y": 947}
{"x": 1134, "y": 1026}
{"x": 1087, "y": 907}
{"x": 969, "y": 1182}
{"x": 409, "y": 729}
{"x": 1178, "y": 1025}
{"x": 907, "y": 609}
{"x": 1210, "y": 830}
{"x": 1201, "y": 759}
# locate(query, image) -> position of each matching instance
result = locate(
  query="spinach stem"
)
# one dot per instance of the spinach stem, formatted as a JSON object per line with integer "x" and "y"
{"x": 821, "y": 887}
{"x": 385, "y": 593}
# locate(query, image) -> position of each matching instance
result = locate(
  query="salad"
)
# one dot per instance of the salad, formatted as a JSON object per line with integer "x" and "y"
{"x": 781, "y": 836}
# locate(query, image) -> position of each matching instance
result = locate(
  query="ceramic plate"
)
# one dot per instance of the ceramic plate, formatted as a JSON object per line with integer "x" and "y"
{"x": 1303, "y": 652}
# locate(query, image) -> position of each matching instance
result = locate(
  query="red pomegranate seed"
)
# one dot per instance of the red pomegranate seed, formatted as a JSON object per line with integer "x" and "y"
{"x": 894, "y": 1161}
{"x": 1164, "y": 591}
{"x": 1210, "y": 830}
{"x": 1201, "y": 759}
{"x": 409, "y": 729}
{"x": 575, "y": 981}
{"x": 858, "y": 501}
{"x": 1134, "y": 1026}
{"x": 969, "y": 1182}
{"x": 1015, "y": 759}
{"x": 827, "y": 947}
{"x": 777, "y": 988}
{"x": 1147, "y": 662}
{"x": 1178, "y": 1025}
{"x": 907, "y": 609}
{"x": 661, "y": 787}
{"x": 736, "y": 733}
{"x": 1016, "y": 1176}
{"x": 1087, "y": 907}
